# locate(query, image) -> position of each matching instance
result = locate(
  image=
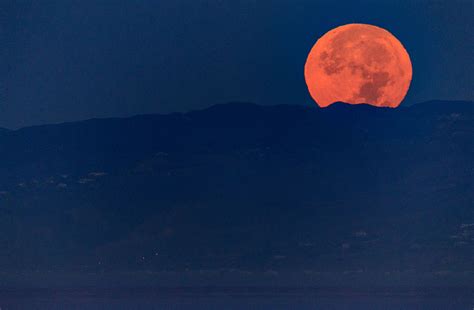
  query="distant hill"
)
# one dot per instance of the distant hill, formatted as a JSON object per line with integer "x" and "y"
{"x": 351, "y": 190}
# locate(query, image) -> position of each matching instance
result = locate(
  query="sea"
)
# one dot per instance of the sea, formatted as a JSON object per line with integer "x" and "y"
{"x": 236, "y": 299}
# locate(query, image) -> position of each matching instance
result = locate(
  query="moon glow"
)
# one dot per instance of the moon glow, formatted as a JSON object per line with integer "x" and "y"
{"x": 358, "y": 63}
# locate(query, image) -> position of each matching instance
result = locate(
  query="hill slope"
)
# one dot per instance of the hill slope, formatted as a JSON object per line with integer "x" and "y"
{"x": 244, "y": 187}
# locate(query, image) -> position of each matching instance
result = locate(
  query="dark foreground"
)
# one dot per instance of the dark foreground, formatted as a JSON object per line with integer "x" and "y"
{"x": 239, "y": 298}
{"x": 242, "y": 187}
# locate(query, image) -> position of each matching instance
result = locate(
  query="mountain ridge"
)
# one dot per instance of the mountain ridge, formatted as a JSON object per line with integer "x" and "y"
{"x": 445, "y": 105}
{"x": 259, "y": 189}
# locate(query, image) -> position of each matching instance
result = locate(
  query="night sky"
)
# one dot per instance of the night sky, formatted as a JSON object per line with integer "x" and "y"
{"x": 72, "y": 60}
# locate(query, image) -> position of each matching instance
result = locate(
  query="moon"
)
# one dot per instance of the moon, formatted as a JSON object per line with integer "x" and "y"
{"x": 358, "y": 63}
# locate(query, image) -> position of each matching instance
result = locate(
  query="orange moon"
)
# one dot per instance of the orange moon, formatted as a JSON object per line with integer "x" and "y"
{"x": 358, "y": 63}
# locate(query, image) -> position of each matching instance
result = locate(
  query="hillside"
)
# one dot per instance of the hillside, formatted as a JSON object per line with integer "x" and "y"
{"x": 247, "y": 189}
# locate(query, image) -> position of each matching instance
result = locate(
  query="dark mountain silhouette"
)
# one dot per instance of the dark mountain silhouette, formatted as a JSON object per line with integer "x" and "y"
{"x": 348, "y": 190}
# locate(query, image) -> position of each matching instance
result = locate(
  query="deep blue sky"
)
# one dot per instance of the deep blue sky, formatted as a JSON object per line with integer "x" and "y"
{"x": 68, "y": 60}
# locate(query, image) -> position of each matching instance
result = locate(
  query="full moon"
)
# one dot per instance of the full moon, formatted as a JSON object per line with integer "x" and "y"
{"x": 358, "y": 63}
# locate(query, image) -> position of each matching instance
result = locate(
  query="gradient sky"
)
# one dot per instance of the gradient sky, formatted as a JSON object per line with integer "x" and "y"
{"x": 68, "y": 60}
